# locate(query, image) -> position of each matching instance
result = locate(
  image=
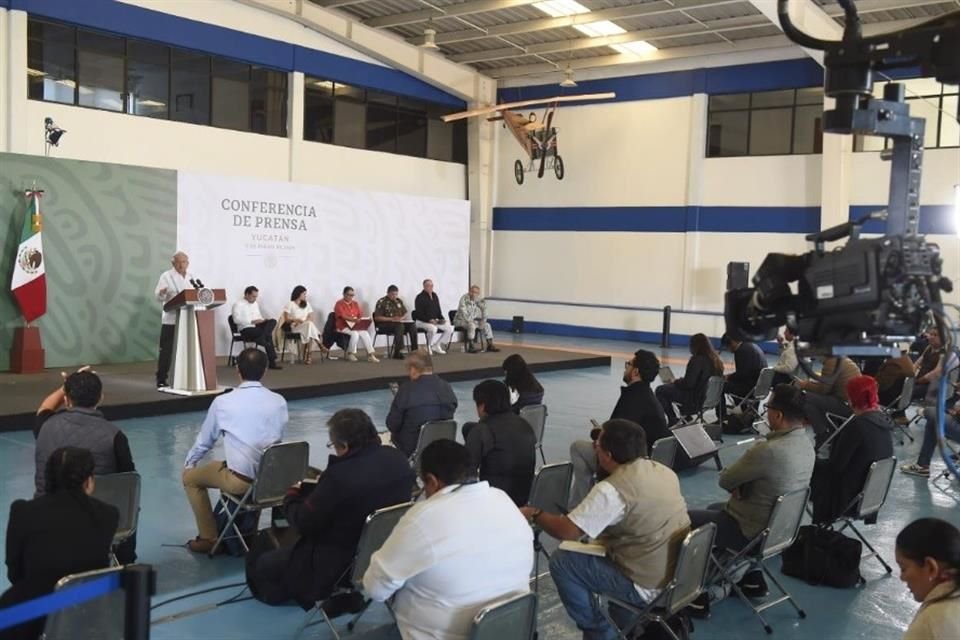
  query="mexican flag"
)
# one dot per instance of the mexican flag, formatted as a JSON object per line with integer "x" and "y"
{"x": 29, "y": 284}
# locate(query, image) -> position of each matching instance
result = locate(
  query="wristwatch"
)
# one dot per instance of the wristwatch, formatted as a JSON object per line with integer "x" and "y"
{"x": 536, "y": 514}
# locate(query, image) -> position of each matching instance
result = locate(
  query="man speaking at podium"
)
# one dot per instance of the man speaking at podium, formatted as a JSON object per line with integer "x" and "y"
{"x": 171, "y": 283}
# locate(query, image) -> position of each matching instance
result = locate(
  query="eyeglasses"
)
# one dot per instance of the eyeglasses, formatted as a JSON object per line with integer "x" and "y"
{"x": 333, "y": 445}
{"x": 348, "y": 295}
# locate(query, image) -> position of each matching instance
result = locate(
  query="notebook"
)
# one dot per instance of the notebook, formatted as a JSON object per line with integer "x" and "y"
{"x": 587, "y": 548}
{"x": 361, "y": 324}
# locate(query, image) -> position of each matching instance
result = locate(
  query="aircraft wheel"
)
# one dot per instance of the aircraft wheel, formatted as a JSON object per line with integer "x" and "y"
{"x": 518, "y": 171}
{"x": 558, "y": 167}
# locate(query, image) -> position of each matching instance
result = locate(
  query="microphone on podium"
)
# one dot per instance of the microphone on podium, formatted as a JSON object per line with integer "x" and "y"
{"x": 193, "y": 283}
{"x": 200, "y": 284}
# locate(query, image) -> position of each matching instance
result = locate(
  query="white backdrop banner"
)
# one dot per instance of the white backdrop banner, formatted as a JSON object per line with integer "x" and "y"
{"x": 276, "y": 235}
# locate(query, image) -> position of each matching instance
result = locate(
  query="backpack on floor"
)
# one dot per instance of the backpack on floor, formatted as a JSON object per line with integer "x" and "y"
{"x": 247, "y": 522}
{"x": 822, "y": 556}
{"x": 735, "y": 424}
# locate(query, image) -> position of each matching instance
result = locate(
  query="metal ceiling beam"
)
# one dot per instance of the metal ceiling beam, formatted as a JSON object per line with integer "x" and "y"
{"x": 333, "y": 4}
{"x": 463, "y": 9}
{"x": 808, "y": 17}
{"x": 663, "y": 33}
{"x": 543, "y": 24}
{"x": 751, "y": 44}
{"x": 873, "y": 6}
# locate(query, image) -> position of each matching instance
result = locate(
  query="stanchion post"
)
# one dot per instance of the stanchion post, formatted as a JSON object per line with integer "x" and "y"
{"x": 665, "y": 335}
{"x": 139, "y": 582}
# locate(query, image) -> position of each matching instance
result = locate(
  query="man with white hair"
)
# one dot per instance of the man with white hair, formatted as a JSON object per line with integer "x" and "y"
{"x": 171, "y": 283}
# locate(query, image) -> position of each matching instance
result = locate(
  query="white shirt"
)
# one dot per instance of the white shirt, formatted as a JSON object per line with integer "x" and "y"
{"x": 295, "y": 312}
{"x": 244, "y": 313}
{"x": 603, "y": 507}
{"x": 174, "y": 283}
{"x": 451, "y": 555}
{"x": 250, "y": 418}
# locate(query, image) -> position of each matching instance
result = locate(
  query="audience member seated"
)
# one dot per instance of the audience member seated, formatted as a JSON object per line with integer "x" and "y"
{"x": 520, "y": 380}
{"x": 787, "y": 364}
{"x": 502, "y": 445}
{"x": 69, "y": 417}
{"x": 251, "y": 324}
{"x": 250, "y": 418}
{"x": 638, "y": 404}
{"x": 780, "y": 463}
{"x": 466, "y": 546}
{"x": 828, "y": 395}
{"x": 748, "y": 361}
{"x": 928, "y": 553}
{"x": 690, "y": 390}
{"x": 951, "y": 430}
{"x": 891, "y": 375}
{"x": 838, "y": 479}
{"x": 62, "y": 532}
{"x": 298, "y": 317}
{"x": 471, "y": 317}
{"x": 928, "y": 376}
{"x": 361, "y": 476}
{"x": 389, "y": 315}
{"x": 429, "y": 316}
{"x": 348, "y": 314}
{"x": 424, "y": 398}
{"x": 637, "y": 513}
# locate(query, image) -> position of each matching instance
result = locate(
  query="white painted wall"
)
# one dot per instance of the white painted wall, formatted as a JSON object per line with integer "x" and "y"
{"x": 871, "y": 177}
{"x": 787, "y": 181}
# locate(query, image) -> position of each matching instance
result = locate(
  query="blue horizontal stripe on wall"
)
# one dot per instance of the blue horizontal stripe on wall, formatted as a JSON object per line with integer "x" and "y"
{"x": 659, "y": 219}
{"x": 137, "y": 22}
{"x": 603, "y": 306}
{"x": 763, "y": 76}
{"x": 939, "y": 219}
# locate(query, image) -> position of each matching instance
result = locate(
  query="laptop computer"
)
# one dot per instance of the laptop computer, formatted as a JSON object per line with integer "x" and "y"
{"x": 666, "y": 375}
{"x": 695, "y": 441}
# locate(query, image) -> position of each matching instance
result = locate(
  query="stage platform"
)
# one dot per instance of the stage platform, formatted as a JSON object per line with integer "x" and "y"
{"x": 130, "y": 389}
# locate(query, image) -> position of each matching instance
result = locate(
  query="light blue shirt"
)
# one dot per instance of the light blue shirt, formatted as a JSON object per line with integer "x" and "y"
{"x": 250, "y": 418}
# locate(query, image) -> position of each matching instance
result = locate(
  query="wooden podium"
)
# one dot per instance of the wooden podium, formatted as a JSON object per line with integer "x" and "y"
{"x": 195, "y": 353}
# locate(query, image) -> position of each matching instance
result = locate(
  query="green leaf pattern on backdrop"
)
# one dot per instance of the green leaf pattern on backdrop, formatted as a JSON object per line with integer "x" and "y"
{"x": 108, "y": 232}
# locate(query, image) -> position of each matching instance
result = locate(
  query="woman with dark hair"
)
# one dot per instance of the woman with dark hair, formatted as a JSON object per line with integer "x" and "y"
{"x": 521, "y": 380}
{"x": 690, "y": 390}
{"x": 928, "y": 554}
{"x": 297, "y": 317}
{"x": 62, "y": 532}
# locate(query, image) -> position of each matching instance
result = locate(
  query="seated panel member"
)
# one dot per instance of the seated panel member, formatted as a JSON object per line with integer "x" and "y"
{"x": 424, "y": 398}
{"x": 429, "y": 316}
{"x": 253, "y": 327}
{"x": 361, "y": 476}
{"x": 389, "y": 314}
{"x": 347, "y": 311}
{"x": 637, "y": 512}
{"x": 298, "y": 317}
{"x": 471, "y": 317}
{"x": 466, "y": 546}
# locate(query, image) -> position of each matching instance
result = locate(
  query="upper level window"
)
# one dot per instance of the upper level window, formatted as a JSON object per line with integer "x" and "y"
{"x": 354, "y": 117}
{"x": 929, "y": 99}
{"x": 92, "y": 69}
{"x": 765, "y": 123}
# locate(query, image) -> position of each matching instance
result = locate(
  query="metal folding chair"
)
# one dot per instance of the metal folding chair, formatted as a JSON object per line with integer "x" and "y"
{"x": 282, "y": 465}
{"x": 685, "y": 585}
{"x": 664, "y": 451}
{"x": 430, "y": 432}
{"x": 235, "y": 337}
{"x": 536, "y": 417}
{"x": 780, "y": 533}
{"x": 122, "y": 490}
{"x": 513, "y": 619}
{"x": 550, "y": 492}
{"x": 98, "y": 618}
{"x": 376, "y": 529}
{"x": 712, "y": 400}
{"x": 868, "y": 503}
{"x": 750, "y": 404}
{"x": 839, "y": 423}
{"x": 900, "y": 405}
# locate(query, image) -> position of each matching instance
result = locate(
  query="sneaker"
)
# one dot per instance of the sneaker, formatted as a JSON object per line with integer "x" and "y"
{"x": 372, "y": 358}
{"x": 437, "y": 349}
{"x": 162, "y": 385}
{"x": 754, "y": 585}
{"x": 915, "y": 470}
{"x": 699, "y": 608}
{"x": 200, "y": 545}
{"x": 351, "y": 357}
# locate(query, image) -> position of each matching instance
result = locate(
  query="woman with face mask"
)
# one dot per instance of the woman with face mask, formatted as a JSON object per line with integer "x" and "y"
{"x": 928, "y": 553}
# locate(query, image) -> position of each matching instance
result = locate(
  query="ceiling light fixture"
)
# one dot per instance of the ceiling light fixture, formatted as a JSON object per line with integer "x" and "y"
{"x": 429, "y": 39}
{"x": 568, "y": 80}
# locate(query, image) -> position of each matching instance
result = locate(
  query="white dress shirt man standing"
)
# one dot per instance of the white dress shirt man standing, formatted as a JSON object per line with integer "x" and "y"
{"x": 251, "y": 324}
{"x": 171, "y": 283}
{"x": 465, "y": 547}
{"x": 250, "y": 418}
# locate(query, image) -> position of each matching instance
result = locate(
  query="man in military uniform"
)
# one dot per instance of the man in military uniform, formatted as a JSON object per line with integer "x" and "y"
{"x": 389, "y": 314}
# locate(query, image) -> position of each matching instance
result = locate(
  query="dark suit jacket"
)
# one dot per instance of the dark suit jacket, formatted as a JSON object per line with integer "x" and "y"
{"x": 330, "y": 517}
{"x": 51, "y": 537}
{"x": 427, "y": 398}
{"x": 503, "y": 448}
{"x": 426, "y": 307}
{"x": 749, "y": 361}
{"x": 693, "y": 384}
{"x": 638, "y": 404}
{"x": 838, "y": 480}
